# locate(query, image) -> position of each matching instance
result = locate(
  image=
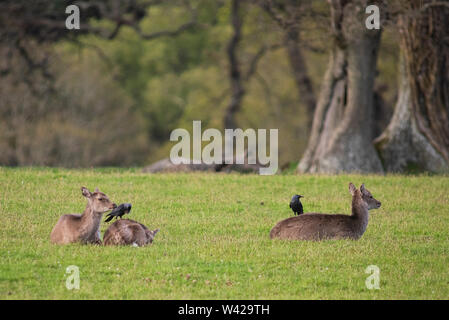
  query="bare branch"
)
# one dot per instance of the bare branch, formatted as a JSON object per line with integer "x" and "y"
{"x": 434, "y": 4}
{"x": 42, "y": 66}
{"x": 97, "y": 49}
{"x": 165, "y": 33}
{"x": 268, "y": 6}
{"x": 257, "y": 57}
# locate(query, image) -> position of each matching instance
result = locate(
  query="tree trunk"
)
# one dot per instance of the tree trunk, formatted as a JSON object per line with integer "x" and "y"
{"x": 343, "y": 126}
{"x": 300, "y": 73}
{"x": 237, "y": 90}
{"x": 288, "y": 14}
{"x": 417, "y": 137}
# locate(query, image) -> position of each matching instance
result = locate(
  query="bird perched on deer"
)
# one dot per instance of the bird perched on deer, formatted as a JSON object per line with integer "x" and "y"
{"x": 121, "y": 210}
{"x": 296, "y": 205}
{"x": 316, "y": 226}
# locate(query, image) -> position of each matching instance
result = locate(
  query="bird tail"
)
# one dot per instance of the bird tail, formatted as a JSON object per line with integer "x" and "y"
{"x": 109, "y": 219}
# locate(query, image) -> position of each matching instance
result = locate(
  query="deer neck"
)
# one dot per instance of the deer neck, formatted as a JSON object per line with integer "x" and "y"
{"x": 90, "y": 219}
{"x": 360, "y": 214}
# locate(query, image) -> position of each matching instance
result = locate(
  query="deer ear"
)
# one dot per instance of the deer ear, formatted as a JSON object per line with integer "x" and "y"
{"x": 97, "y": 190}
{"x": 352, "y": 188}
{"x": 362, "y": 188}
{"x": 86, "y": 192}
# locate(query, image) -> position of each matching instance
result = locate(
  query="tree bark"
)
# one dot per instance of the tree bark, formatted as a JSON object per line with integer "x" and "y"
{"x": 343, "y": 126}
{"x": 417, "y": 137}
{"x": 237, "y": 90}
{"x": 300, "y": 73}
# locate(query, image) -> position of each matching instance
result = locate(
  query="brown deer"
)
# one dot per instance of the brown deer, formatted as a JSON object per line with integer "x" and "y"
{"x": 319, "y": 226}
{"x": 128, "y": 232}
{"x": 84, "y": 228}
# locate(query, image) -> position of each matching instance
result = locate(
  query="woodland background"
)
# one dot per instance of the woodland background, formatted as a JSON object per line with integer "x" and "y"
{"x": 344, "y": 98}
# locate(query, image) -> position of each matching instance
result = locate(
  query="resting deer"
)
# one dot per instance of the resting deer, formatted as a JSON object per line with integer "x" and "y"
{"x": 319, "y": 226}
{"x": 84, "y": 228}
{"x": 128, "y": 232}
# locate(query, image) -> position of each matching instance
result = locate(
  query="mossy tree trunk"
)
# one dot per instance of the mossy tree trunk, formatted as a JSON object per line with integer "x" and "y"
{"x": 418, "y": 134}
{"x": 343, "y": 124}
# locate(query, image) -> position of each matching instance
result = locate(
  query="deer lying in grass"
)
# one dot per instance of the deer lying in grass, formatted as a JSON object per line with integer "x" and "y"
{"x": 84, "y": 228}
{"x": 319, "y": 226}
{"x": 128, "y": 232}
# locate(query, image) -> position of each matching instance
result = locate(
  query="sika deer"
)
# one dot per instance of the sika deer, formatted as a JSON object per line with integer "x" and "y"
{"x": 128, "y": 232}
{"x": 84, "y": 228}
{"x": 319, "y": 226}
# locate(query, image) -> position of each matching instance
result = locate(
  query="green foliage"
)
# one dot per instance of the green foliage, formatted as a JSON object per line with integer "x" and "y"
{"x": 175, "y": 80}
{"x": 156, "y": 74}
{"x": 167, "y": 82}
{"x": 214, "y": 229}
{"x": 87, "y": 120}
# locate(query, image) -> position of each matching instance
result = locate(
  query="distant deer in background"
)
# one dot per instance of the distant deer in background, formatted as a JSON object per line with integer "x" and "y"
{"x": 319, "y": 226}
{"x": 128, "y": 232}
{"x": 84, "y": 228}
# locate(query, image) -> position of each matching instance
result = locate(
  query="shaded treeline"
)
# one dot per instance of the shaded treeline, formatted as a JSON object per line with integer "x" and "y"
{"x": 111, "y": 92}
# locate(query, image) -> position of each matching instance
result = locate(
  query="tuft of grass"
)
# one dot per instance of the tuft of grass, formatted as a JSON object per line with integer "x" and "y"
{"x": 214, "y": 241}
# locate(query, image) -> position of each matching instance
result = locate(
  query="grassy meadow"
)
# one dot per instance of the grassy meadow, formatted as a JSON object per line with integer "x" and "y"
{"x": 214, "y": 240}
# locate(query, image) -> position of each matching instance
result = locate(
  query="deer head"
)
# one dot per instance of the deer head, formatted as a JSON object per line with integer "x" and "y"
{"x": 98, "y": 201}
{"x": 150, "y": 235}
{"x": 365, "y": 196}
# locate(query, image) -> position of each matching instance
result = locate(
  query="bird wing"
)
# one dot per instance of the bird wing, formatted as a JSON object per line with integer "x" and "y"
{"x": 116, "y": 210}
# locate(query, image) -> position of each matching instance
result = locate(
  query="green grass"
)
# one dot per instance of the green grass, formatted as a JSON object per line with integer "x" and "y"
{"x": 215, "y": 229}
